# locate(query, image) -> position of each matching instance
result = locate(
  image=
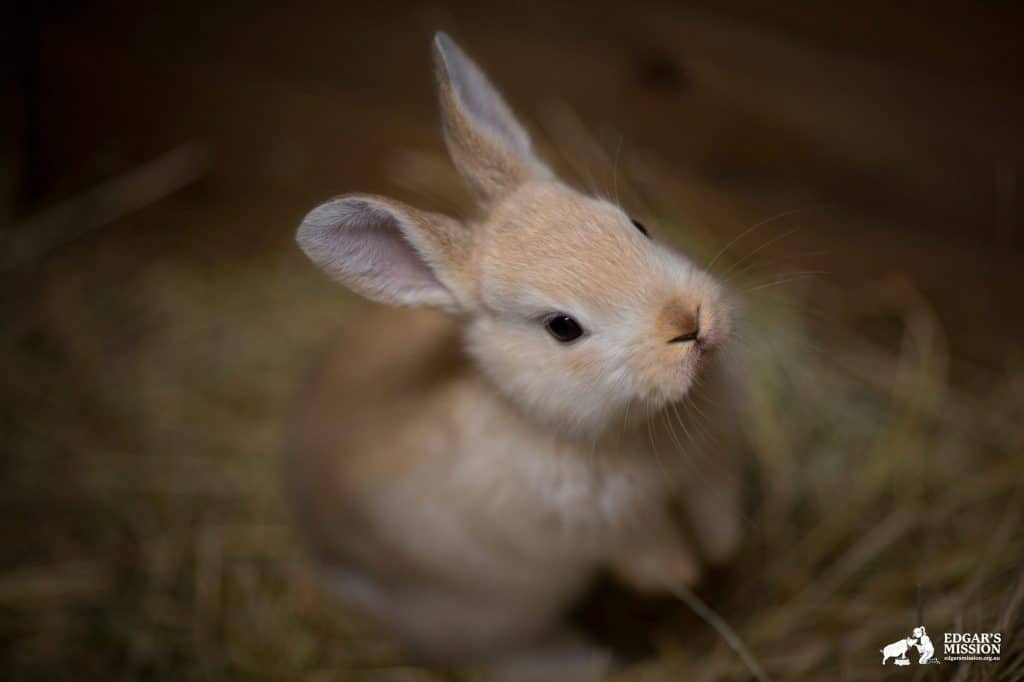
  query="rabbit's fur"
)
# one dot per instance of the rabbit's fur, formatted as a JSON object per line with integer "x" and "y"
{"x": 461, "y": 473}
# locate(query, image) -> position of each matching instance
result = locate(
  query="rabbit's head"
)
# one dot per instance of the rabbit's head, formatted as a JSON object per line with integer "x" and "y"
{"x": 570, "y": 307}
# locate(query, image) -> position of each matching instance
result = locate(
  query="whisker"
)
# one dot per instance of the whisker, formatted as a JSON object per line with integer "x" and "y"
{"x": 752, "y": 272}
{"x": 750, "y": 229}
{"x": 761, "y": 248}
{"x": 683, "y": 425}
{"x": 672, "y": 432}
{"x": 795, "y": 276}
{"x": 654, "y": 449}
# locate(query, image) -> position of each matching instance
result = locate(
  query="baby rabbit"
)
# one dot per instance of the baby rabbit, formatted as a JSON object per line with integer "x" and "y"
{"x": 464, "y": 468}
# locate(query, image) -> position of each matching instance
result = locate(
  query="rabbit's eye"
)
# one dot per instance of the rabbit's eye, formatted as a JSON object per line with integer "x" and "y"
{"x": 563, "y": 328}
{"x": 640, "y": 226}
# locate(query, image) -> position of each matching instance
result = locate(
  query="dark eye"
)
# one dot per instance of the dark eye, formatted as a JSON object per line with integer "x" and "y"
{"x": 640, "y": 226}
{"x": 564, "y": 328}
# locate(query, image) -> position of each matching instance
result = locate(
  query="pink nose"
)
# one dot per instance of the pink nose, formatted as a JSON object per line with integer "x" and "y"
{"x": 689, "y": 322}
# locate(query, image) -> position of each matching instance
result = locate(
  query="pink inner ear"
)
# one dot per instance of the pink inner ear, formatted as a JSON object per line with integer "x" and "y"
{"x": 378, "y": 246}
{"x": 363, "y": 244}
{"x": 482, "y": 101}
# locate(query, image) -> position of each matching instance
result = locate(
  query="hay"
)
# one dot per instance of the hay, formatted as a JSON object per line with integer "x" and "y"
{"x": 145, "y": 534}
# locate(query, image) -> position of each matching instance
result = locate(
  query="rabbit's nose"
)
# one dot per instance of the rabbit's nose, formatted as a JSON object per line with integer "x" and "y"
{"x": 687, "y": 320}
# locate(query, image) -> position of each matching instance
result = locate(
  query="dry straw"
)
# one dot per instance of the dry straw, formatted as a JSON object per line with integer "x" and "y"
{"x": 144, "y": 402}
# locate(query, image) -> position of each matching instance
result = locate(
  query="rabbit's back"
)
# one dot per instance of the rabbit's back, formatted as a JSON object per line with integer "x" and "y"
{"x": 353, "y": 416}
{"x": 404, "y": 472}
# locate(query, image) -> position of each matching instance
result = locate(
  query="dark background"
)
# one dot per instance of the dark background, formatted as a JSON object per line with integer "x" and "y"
{"x": 906, "y": 117}
{"x": 157, "y": 315}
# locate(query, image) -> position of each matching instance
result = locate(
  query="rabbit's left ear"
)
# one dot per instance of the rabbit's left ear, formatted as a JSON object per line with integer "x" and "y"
{"x": 389, "y": 252}
{"x": 489, "y": 147}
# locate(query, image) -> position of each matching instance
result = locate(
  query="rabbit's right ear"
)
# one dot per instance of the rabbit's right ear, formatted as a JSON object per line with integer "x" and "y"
{"x": 489, "y": 147}
{"x": 390, "y": 252}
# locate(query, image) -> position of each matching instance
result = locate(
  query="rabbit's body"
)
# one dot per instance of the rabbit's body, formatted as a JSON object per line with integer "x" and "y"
{"x": 442, "y": 509}
{"x": 463, "y": 477}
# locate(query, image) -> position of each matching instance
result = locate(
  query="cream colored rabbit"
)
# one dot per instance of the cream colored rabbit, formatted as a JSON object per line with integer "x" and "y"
{"x": 464, "y": 468}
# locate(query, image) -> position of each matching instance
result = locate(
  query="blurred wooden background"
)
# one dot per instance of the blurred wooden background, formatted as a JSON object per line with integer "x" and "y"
{"x": 904, "y": 120}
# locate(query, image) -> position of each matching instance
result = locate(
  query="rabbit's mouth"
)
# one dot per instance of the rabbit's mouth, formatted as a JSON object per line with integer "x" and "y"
{"x": 693, "y": 335}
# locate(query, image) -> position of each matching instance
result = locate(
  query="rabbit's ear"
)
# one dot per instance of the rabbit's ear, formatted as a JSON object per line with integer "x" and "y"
{"x": 389, "y": 252}
{"x": 491, "y": 150}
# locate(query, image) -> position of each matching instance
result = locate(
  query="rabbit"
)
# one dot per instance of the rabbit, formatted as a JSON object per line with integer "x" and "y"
{"x": 520, "y": 417}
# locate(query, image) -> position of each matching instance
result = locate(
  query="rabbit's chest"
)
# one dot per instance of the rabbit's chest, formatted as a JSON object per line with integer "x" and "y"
{"x": 541, "y": 494}
{"x": 482, "y": 486}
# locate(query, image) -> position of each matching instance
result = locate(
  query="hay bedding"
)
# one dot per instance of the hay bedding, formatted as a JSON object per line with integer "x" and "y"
{"x": 145, "y": 536}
